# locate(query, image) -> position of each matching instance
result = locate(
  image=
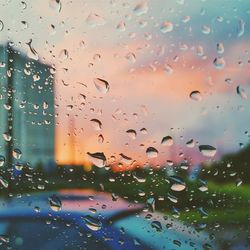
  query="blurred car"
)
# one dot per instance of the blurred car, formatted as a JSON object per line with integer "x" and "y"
{"x": 85, "y": 219}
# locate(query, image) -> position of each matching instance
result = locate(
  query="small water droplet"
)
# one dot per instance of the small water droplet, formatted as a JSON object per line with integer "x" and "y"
{"x": 4, "y": 182}
{"x": 167, "y": 141}
{"x": 141, "y": 8}
{"x": 131, "y": 57}
{"x": 190, "y": 143}
{"x": 121, "y": 26}
{"x": 92, "y": 223}
{"x": 168, "y": 69}
{"x": 100, "y": 139}
{"x": 156, "y": 225}
{"x": 241, "y": 28}
{"x": 101, "y": 85}
{"x": 220, "y": 48}
{"x": 126, "y": 159}
{"x": 32, "y": 52}
{"x": 1, "y": 25}
{"x": 96, "y": 124}
{"x": 166, "y": 27}
{"x": 177, "y": 183}
{"x": 2, "y": 160}
{"x": 16, "y": 153}
{"x": 195, "y": 95}
{"x": 151, "y": 152}
{"x": 95, "y": 20}
{"x": 207, "y": 150}
{"x": 7, "y": 137}
{"x": 55, "y": 5}
{"x": 219, "y": 62}
{"x": 206, "y": 29}
{"x": 131, "y": 133}
{"x": 55, "y": 203}
{"x": 64, "y": 54}
{"x": 98, "y": 159}
{"x": 241, "y": 92}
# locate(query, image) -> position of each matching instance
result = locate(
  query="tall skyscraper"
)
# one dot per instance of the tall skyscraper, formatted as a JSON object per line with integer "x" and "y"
{"x": 26, "y": 108}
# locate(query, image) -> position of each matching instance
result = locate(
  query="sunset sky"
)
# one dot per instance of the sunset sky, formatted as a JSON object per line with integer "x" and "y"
{"x": 153, "y": 54}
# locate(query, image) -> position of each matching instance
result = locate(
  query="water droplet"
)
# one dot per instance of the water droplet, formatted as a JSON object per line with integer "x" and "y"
{"x": 166, "y": 27}
{"x": 177, "y": 183}
{"x": 241, "y": 28}
{"x": 177, "y": 243}
{"x": 141, "y": 8}
{"x": 151, "y": 204}
{"x": 241, "y": 92}
{"x": 4, "y": 182}
{"x": 19, "y": 166}
{"x": 168, "y": 69}
{"x": 172, "y": 198}
{"x": 219, "y": 62}
{"x": 17, "y": 153}
{"x": 190, "y": 143}
{"x": 101, "y": 85}
{"x": 55, "y": 203}
{"x": 206, "y": 29}
{"x": 37, "y": 209}
{"x": 131, "y": 57}
{"x": 207, "y": 150}
{"x": 95, "y": 20}
{"x": 32, "y": 52}
{"x": 151, "y": 152}
{"x": 238, "y": 182}
{"x": 167, "y": 141}
{"x": 2, "y": 160}
{"x": 125, "y": 159}
{"x": 7, "y": 137}
{"x": 195, "y": 95}
{"x": 138, "y": 178}
{"x": 100, "y": 139}
{"x": 98, "y": 159}
{"x": 121, "y": 26}
{"x": 220, "y": 48}
{"x": 64, "y": 54}
{"x": 156, "y": 225}
{"x": 24, "y": 25}
{"x": 131, "y": 133}
{"x": 92, "y": 223}
{"x": 144, "y": 131}
{"x": 186, "y": 19}
{"x": 1, "y": 25}
{"x": 96, "y": 124}
{"x": 55, "y": 5}
{"x": 4, "y": 238}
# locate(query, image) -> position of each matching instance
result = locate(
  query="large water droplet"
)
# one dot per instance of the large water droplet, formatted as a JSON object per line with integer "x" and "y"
{"x": 241, "y": 92}
{"x": 96, "y": 124}
{"x": 166, "y": 27}
{"x": 190, "y": 143}
{"x": 121, "y": 26}
{"x": 32, "y": 52}
{"x": 167, "y": 141}
{"x": 95, "y": 20}
{"x": 206, "y": 29}
{"x": 98, "y": 159}
{"x": 195, "y": 95}
{"x": 131, "y": 133}
{"x": 131, "y": 57}
{"x": 55, "y": 203}
{"x": 141, "y": 8}
{"x": 151, "y": 152}
{"x": 92, "y": 223}
{"x": 101, "y": 85}
{"x": 207, "y": 150}
{"x": 55, "y": 5}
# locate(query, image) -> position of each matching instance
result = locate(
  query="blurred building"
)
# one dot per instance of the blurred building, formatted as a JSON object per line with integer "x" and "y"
{"x": 26, "y": 108}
